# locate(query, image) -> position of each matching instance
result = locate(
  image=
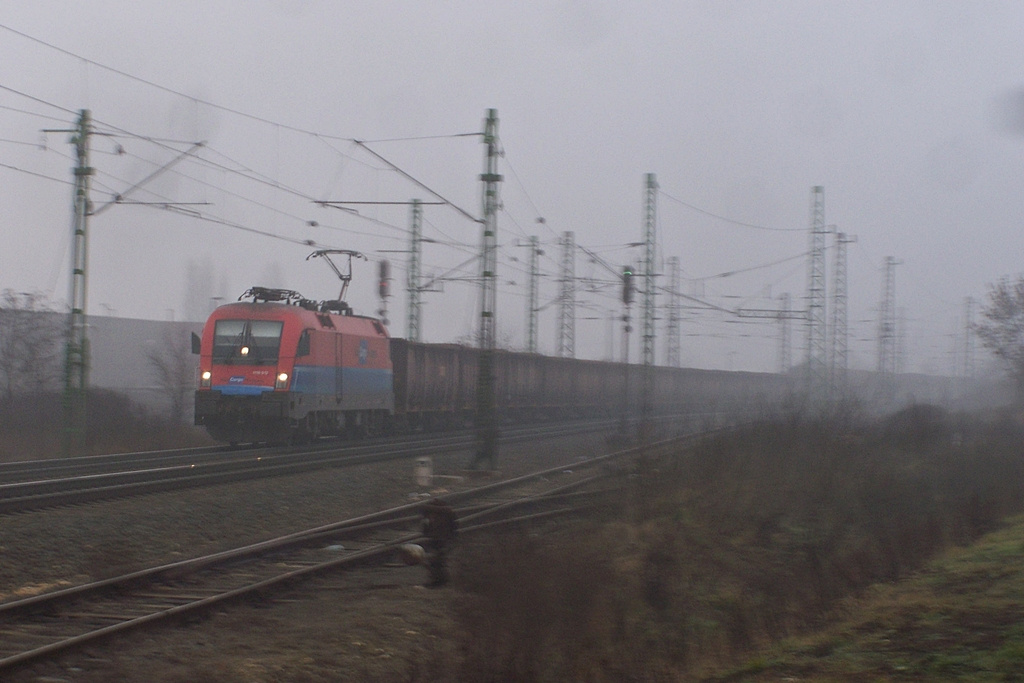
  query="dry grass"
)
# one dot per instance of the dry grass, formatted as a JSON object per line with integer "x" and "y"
{"x": 750, "y": 538}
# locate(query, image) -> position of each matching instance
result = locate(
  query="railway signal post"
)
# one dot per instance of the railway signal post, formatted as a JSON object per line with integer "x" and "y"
{"x": 627, "y": 300}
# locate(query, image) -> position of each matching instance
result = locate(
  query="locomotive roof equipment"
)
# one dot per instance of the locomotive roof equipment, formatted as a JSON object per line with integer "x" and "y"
{"x": 345, "y": 277}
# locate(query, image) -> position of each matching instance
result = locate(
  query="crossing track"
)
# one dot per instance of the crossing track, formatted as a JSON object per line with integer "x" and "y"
{"x": 38, "y": 627}
{"x": 108, "y": 477}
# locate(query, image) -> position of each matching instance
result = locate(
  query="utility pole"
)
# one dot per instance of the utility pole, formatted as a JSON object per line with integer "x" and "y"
{"x": 567, "y": 298}
{"x": 839, "y": 359}
{"x": 817, "y": 379}
{"x": 412, "y": 327}
{"x": 76, "y": 357}
{"x": 650, "y": 224}
{"x": 532, "y": 298}
{"x": 487, "y": 417}
{"x": 672, "y": 348}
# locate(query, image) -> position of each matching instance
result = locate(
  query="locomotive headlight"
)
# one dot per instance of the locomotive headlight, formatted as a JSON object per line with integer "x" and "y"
{"x": 282, "y": 381}
{"x": 204, "y": 379}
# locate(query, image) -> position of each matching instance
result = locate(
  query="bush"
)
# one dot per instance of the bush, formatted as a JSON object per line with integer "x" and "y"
{"x": 749, "y": 537}
{"x": 30, "y": 426}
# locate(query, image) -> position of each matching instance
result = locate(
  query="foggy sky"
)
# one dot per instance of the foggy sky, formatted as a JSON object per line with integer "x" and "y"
{"x": 901, "y": 110}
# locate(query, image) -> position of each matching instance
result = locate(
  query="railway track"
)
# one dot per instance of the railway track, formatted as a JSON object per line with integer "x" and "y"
{"x": 39, "y": 627}
{"x": 117, "y": 477}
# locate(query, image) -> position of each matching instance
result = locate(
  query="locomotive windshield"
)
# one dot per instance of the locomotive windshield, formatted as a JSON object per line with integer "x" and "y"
{"x": 246, "y": 342}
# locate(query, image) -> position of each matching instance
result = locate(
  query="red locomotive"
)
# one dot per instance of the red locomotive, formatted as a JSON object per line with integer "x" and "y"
{"x": 283, "y": 368}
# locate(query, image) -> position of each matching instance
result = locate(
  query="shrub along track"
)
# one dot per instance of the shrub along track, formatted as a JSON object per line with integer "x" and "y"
{"x": 40, "y": 626}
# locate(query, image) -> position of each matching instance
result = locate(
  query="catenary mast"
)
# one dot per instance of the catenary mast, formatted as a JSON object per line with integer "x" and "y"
{"x": 817, "y": 378}
{"x": 76, "y": 357}
{"x": 650, "y": 223}
{"x": 413, "y": 276}
{"x": 567, "y": 298}
{"x": 487, "y": 418}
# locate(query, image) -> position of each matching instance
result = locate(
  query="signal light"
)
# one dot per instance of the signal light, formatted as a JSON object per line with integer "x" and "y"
{"x": 627, "y": 285}
{"x": 384, "y": 288}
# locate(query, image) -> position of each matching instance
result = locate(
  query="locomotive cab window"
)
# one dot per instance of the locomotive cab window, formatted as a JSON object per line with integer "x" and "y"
{"x": 246, "y": 342}
{"x": 303, "y": 347}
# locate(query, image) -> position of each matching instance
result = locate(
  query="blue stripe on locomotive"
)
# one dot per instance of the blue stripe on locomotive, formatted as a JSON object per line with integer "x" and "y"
{"x": 318, "y": 379}
{"x": 240, "y": 389}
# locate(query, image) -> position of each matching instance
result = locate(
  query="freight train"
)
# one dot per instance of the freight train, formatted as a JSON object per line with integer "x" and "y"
{"x": 282, "y": 368}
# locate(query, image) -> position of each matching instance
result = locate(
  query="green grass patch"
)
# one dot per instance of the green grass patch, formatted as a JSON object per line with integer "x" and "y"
{"x": 961, "y": 618}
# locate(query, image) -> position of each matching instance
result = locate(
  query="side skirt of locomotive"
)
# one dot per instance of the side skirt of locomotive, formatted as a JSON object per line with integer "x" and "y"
{"x": 287, "y": 417}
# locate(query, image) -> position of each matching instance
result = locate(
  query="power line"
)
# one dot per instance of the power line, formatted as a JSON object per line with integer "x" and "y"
{"x": 38, "y": 175}
{"x": 730, "y": 273}
{"x": 416, "y": 182}
{"x": 725, "y": 219}
{"x": 322, "y": 136}
{"x": 426, "y": 137}
{"x": 164, "y": 88}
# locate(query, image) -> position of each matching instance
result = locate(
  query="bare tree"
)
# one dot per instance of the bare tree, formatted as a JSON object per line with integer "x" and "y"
{"x": 30, "y": 344}
{"x": 174, "y": 370}
{"x": 1002, "y": 330}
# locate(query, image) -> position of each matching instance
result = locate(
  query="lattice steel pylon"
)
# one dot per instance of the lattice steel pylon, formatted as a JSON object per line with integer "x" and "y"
{"x": 840, "y": 352}
{"x": 567, "y": 298}
{"x": 887, "y": 321}
{"x": 413, "y": 280}
{"x": 672, "y": 344}
{"x": 817, "y": 374}
{"x": 487, "y": 417}
{"x": 650, "y": 227}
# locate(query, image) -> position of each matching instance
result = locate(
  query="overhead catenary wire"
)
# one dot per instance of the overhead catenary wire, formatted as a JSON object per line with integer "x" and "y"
{"x": 254, "y": 176}
{"x": 158, "y": 86}
{"x": 416, "y": 182}
{"x": 318, "y": 135}
{"x": 37, "y": 175}
{"x": 741, "y": 224}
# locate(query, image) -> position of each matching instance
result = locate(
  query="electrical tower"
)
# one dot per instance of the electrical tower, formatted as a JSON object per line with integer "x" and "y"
{"x": 785, "y": 346}
{"x": 412, "y": 328}
{"x": 817, "y": 379}
{"x": 650, "y": 224}
{"x": 487, "y": 417}
{"x": 887, "y": 321}
{"x": 567, "y": 298}
{"x": 672, "y": 347}
{"x": 839, "y": 358}
{"x": 76, "y": 357}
